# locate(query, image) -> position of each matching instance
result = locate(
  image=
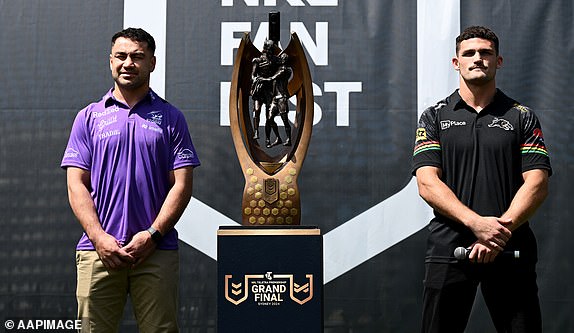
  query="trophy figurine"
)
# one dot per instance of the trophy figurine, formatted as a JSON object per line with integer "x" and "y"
{"x": 271, "y": 161}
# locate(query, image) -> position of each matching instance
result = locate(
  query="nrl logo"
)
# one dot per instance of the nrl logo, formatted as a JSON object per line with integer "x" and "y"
{"x": 268, "y": 289}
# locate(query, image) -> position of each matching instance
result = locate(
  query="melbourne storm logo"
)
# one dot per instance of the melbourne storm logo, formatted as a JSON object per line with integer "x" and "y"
{"x": 155, "y": 117}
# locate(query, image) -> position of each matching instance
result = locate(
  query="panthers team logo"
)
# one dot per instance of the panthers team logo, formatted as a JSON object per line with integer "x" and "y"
{"x": 501, "y": 123}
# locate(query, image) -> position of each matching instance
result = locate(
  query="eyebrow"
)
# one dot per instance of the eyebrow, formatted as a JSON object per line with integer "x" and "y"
{"x": 481, "y": 50}
{"x": 128, "y": 53}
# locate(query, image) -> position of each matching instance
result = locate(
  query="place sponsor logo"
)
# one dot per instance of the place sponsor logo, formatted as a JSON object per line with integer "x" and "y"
{"x": 446, "y": 124}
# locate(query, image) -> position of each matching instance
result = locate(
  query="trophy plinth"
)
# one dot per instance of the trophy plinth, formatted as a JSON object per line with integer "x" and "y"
{"x": 271, "y": 160}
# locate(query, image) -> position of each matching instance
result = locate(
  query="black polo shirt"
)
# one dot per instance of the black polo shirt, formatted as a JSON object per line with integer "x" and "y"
{"x": 482, "y": 157}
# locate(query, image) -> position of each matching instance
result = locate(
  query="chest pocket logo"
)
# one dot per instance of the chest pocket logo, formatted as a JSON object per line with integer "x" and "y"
{"x": 501, "y": 123}
{"x": 155, "y": 117}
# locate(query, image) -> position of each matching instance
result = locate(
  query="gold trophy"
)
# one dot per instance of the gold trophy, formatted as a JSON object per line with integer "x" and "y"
{"x": 263, "y": 82}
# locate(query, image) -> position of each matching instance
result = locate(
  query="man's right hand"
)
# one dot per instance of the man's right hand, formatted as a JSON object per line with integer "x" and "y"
{"x": 111, "y": 253}
{"x": 492, "y": 232}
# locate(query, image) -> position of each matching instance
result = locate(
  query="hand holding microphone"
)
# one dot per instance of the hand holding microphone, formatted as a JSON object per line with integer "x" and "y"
{"x": 492, "y": 233}
{"x": 462, "y": 253}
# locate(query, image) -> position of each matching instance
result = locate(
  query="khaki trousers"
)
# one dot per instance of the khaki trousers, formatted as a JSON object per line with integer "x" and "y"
{"x": 152, "y": 286}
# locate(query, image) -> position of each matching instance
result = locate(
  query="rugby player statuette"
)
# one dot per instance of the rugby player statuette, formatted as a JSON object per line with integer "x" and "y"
{"x": 267, "y": 80}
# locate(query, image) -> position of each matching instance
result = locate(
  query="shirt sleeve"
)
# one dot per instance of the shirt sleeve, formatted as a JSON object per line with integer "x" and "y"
{"x": 182, "y": 150}
{"x": 78, "y": 152}
{"x": 427, "y": 150}
{"x": 532, "y": 147}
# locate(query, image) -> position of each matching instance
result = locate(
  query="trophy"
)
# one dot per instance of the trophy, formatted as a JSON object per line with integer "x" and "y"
{"x": 262, "y": 84}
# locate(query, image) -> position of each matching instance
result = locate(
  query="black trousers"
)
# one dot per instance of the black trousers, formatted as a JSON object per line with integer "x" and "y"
{"x": 508, "y": 286}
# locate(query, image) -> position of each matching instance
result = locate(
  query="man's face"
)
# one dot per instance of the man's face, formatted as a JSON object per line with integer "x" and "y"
{"x": 131, "y": 63}
{"x": 477, "y": 61}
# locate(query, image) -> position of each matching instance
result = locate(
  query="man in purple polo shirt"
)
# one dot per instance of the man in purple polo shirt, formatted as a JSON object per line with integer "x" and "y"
{"x": 129, "y": 164}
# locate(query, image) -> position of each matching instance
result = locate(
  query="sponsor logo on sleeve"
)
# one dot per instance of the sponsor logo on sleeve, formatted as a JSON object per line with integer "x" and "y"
{"x": 421, "y": 134}
{"x": 186, "y": 154}
{"x": 71, "y": 153}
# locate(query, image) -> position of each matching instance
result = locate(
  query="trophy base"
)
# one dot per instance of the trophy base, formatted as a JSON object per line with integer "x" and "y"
{"x": 269, "y": 276}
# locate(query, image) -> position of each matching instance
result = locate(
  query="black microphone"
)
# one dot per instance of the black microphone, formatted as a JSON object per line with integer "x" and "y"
{"x": 461, "y": 253}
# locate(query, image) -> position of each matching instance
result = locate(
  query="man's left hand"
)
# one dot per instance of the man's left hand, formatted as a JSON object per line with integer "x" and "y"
{"x": 140, "y": 247}
{"x": 482, "y": 254}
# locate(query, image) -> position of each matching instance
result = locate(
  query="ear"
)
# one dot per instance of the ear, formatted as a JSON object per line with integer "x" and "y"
{"x": 498, "y": 62}
{"x": 455, "y": 63}
{"x": 111, "y": 67}
{"x": 153, "y": 61}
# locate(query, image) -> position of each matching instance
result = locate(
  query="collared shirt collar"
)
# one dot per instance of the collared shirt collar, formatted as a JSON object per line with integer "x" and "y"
{"x": 109, "y": 98}
{"x": 459, "y": 103}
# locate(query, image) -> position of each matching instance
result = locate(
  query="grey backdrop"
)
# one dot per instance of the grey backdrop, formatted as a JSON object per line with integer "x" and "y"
{"x": 54, "y": 61}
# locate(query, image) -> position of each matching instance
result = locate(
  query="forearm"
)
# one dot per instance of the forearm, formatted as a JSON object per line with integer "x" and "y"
{"x": 176, "y": 201}
{"x": 442, "y": 199}
{"x": 528, "y": 198}
{"x": 107, "y": 247}
{"x": 85, "y": 211}
{"x": 489, "y": 230}
{"x": 82, "y": 204}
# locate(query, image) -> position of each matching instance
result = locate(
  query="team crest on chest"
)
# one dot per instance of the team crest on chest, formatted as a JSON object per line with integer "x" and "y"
{"x": 155, "y": 117}
{"x": 501, "y": 123}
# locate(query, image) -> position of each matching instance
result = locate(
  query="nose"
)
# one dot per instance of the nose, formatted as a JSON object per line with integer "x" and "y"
{"x": 477, "y": 58}
{"x": 129, "y": 62}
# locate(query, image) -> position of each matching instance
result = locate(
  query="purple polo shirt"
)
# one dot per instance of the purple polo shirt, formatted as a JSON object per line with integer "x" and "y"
{"x": 129, "y": 153}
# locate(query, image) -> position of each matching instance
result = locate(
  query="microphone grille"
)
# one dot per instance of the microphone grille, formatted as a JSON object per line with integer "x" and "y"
{"x": 460, "y": 253}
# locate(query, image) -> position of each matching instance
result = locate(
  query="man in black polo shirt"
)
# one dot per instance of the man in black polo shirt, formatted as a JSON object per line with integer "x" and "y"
{"x": 482, "y": 165}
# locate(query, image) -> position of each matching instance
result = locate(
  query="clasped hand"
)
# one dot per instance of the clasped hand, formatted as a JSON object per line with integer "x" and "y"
{"x": 114, "y": 256}
{"x": 492, "y": 233}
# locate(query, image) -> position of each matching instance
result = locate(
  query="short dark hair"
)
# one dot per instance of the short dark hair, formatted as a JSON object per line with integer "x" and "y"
{"x": 477, "y": 32}
{"x": 138, "y": 35}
